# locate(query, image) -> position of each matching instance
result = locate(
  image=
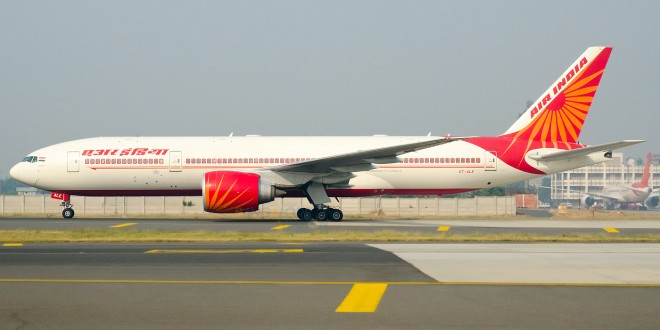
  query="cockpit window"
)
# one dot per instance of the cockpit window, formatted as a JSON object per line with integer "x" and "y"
{"x": 30, "y": 159}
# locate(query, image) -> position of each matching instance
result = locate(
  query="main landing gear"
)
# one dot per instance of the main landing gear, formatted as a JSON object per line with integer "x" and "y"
{"x": 320, "y": 214}
{"x": 317, "y": 196}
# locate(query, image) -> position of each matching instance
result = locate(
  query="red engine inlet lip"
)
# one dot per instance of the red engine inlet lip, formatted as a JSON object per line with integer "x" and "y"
{"x": 230, "y": 192}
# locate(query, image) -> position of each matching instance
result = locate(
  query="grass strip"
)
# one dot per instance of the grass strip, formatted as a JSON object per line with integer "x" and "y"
{"x": 151, "y": 236}
{"x": 274, "y": 216}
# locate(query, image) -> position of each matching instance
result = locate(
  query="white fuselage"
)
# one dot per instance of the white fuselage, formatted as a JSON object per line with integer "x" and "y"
{"x": 626, "y": 193}
{"x": 175, "y": 165}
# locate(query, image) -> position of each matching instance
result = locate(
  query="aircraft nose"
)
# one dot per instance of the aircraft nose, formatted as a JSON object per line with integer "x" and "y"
{"x": 15, "y": 172}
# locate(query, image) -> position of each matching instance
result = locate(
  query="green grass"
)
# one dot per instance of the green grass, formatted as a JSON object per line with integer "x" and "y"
{"x": 573, "y": 214}
{"x": 153, "y": 236}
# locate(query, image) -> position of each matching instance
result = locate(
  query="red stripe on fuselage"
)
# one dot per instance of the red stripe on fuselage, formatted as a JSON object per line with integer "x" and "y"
{"x": 290, "y": 193}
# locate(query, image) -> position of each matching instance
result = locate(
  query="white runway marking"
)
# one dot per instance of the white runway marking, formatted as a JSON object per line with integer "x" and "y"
{"x": 599, "y": 224}
{"x": 534, "y": 263}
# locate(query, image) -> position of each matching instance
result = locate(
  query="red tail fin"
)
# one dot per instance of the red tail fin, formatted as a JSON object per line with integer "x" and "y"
{"x": 558, "y": 115}
{"x": 647, "y": 171}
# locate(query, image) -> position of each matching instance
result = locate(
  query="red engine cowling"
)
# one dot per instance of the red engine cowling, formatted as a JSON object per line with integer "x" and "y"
{"x": 233, "y": 192}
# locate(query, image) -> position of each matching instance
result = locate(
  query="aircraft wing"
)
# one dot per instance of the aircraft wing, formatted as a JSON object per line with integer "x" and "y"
{"x": 586, "y": 193}
{"x": 601, "y": 196}
{"x": 566, "y": 154}
{"x": 361, "y": 160}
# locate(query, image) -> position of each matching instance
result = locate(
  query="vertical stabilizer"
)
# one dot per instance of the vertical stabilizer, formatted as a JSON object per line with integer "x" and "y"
{"x": 646, "y": 174}
{"x": 558, "y": 115}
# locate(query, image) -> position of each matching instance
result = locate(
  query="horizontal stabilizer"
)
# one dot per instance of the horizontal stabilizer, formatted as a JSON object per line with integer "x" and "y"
{"x": 566, "y": 154}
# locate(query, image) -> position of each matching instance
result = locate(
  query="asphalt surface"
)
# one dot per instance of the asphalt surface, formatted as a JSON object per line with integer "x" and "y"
{"x": 317, "y": 286}
{"x": 540, "y": 226}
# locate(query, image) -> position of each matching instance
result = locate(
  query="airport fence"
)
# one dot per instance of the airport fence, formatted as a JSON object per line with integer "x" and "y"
{"x": 281, "y": 207}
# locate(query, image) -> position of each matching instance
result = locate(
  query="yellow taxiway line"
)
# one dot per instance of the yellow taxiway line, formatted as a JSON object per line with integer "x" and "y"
{"x": 444, "y": 228}
{"x": 363, "y": 298}
{"x": 124, "y": 225}
{"x": 230, "y": 251}
{"x": 611, "y": 230}
{"x": 280, "y": 227}
{"x": 12, "y": 244}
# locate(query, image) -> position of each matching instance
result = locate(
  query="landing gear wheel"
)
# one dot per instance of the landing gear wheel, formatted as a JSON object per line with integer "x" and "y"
{"x": 335, "y": 215}
{"x": 68, "y": 213}
{"x": 321, "y": 215}
{"x": 304, "y": 214}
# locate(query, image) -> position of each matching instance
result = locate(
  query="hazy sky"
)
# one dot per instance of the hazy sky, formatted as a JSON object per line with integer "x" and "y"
{"x": 76, "y": 69}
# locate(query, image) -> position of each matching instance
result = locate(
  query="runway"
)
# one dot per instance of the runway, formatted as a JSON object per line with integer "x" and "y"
{"x": 537, "y": 226}
{"x": 326, "y": 285}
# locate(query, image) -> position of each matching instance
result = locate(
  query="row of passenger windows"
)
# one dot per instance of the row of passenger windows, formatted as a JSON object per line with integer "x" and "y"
{"x": 446, "y": 160}
{"x": 129, "y": 161}
{"x": 244, "y": 160}
{"x": 125, "y": 161}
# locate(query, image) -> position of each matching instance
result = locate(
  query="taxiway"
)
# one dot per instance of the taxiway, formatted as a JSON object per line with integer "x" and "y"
{"x": 329, "y": 285}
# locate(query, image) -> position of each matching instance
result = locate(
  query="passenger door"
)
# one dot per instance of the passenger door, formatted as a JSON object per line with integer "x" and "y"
{"x": 490, "y": 163}
{"x": 176, "y": 163}
{"x": 73, "y": 161}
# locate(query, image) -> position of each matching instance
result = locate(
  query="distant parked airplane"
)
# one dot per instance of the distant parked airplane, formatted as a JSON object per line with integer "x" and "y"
{"x": 236, "y": 174}
{"x": 625, "y": 195}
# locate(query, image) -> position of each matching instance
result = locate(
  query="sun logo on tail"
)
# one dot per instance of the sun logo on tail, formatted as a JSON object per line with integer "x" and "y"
{"x": 564, "y": 116}
{"x": 557, "y": 118}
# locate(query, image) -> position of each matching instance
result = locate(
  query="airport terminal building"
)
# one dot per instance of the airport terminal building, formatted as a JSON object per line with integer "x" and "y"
{"x": 571, "y": 186}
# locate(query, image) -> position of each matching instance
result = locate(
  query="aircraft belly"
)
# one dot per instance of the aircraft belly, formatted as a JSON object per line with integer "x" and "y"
{"x": 430, "y": 178}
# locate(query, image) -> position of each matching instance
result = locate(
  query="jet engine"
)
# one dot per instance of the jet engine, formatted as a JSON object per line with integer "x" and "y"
{"x": 652, "y": 201}
{"x": 233, "y": 192}
{"x": 588, "y": 201}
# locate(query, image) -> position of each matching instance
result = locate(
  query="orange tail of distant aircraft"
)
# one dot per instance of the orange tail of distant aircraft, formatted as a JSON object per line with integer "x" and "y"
{"x": 644, "y": 182}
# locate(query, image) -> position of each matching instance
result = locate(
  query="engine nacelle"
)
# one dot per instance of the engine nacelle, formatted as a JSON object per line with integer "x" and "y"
{"x": 652, "y": 201}
{"x": 588, "y": 201}
{"x": 233, "y": 192}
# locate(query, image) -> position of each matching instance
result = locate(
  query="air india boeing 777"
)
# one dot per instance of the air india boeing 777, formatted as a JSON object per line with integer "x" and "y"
{"x": 236, "y": 174}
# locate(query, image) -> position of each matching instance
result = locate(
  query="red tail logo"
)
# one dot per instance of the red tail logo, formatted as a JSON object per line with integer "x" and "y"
{"x": 560, "y": 118}
{"x": 556, "y": 118}
{"x": 645, "y": 174}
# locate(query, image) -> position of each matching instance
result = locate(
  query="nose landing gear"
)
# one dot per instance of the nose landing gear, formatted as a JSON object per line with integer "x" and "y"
{"x": 67, "y": 213}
